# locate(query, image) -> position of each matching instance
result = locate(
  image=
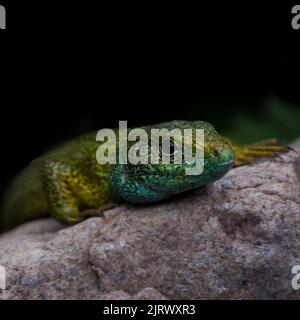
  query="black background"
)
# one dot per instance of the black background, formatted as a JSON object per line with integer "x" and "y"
{"x": 94, "y": 309}
{"x": 73, "y": 67}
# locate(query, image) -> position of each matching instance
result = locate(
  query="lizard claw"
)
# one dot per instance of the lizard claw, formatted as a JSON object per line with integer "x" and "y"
{"x": 292, "y": 149}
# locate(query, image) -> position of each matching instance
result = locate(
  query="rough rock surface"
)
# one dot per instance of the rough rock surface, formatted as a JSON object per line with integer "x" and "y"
{"x": 145, "y": 294}
{"x": 237, "y": 238}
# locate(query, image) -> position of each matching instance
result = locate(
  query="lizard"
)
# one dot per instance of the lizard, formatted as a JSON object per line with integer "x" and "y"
{"x": 67, "y": 181}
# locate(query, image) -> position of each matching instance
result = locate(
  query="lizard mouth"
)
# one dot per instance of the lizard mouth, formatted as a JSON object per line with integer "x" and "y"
{"x": 227, "y": 163}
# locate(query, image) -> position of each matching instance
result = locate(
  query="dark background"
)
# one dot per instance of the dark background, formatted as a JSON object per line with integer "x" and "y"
{"x": 70, "y": 68}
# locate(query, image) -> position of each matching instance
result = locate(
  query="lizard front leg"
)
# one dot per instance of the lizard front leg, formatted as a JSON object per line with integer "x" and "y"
{"x": 69, "y": 191}
{"x": 245, "y": 154}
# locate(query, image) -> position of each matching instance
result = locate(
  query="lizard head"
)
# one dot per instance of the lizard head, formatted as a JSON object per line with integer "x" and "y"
{"x": 150, "y": 182}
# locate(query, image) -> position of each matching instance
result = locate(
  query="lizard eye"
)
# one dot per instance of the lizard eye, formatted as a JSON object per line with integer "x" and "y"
{"x": 217, "y": 152}
{"x": 172, "y": 148}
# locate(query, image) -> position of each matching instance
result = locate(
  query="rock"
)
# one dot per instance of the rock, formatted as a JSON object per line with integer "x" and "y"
{"x": 39, "y": 226}
{"x": 149, "y": 294}
{"x": 51, "y": 265}
{"x": 237, "y": 238}
{"x": 296, "y": 144}
{"x": 145, "y": 294}
{"x": 116, "y": 295}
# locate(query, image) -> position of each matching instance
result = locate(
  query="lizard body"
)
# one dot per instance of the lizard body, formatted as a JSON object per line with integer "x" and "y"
{"x": 68, "y": 179}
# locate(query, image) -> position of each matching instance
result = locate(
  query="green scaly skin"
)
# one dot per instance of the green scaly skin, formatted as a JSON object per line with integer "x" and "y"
{"x": 68, "y": 180}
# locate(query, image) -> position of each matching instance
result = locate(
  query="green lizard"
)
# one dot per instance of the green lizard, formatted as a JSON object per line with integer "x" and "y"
{"x": 68, "y": 179}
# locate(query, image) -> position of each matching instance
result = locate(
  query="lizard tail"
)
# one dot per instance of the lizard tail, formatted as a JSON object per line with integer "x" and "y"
{"x": 24, "y": 199}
